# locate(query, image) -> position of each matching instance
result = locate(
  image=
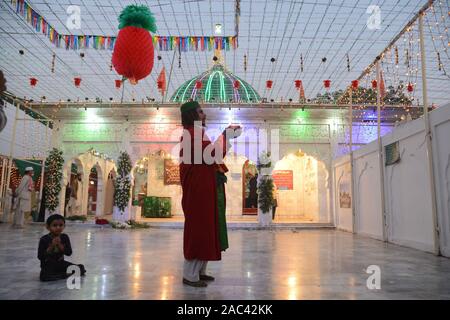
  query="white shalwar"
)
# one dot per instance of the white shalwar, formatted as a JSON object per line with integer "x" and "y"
{"x": 192, "y": 269}
{"x": 23, "y": 191}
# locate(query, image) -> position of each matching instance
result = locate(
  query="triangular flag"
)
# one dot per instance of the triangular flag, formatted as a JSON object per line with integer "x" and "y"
{"x": 161, "y": 81}
{"x": 302, "y": 91}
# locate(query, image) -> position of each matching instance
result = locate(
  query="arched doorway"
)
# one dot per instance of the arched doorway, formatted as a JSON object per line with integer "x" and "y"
{"x": 73, "y": 189}
{"x": 109, "y": 193}
{"x": 303, "y": 190}
{"x": 249, "y": 188}
{"x": 140, "y": 182}
{"x": 95, "y": 192}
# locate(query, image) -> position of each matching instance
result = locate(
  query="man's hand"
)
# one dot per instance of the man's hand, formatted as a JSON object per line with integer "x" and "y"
{"x": 232, "y": 131}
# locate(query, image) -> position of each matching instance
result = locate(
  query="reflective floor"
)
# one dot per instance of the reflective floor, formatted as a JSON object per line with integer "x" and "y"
{"x": 284, "y": 264}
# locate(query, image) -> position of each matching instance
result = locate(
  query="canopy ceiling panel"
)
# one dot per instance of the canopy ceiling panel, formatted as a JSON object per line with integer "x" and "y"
{"x": 295, "y": 34}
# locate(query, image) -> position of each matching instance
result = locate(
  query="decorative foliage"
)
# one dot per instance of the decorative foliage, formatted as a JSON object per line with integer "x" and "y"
{"x": 394, "y": 96}
{"x": 265, "y": 193}
{"x": 359, "y": 95}
{"x": 265, "y": 185}
{"x": 123, "y": 181}
{"x": 54, "y": 165}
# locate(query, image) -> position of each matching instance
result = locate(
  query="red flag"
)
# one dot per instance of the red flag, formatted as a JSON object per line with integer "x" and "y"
{"x": 161, "y": 81}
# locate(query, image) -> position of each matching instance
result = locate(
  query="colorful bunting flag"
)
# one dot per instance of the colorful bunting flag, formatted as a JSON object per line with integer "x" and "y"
{"x": 76, "y": 42}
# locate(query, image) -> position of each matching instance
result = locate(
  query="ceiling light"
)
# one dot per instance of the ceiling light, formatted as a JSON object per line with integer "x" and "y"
{"x": 218, "y": 29}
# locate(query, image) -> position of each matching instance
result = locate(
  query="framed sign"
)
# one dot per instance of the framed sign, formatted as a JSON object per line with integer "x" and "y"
{"x": 283, "y": 179}
{"x": 171, "y": 172}
{"x": 345, "y": 198}
{"x": 392, "y": 153}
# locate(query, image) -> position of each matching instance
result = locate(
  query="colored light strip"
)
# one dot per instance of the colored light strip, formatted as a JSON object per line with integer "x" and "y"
{"x": 223, "y": 95}
{"x": 246, "y": 92}
{"x": 184, "y": 93}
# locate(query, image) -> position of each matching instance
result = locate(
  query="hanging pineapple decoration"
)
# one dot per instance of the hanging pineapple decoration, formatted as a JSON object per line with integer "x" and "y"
{"x": 133, "y": 51}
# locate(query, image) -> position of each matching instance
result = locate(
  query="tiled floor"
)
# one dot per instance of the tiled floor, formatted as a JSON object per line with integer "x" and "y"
{"x": 260, "y": 264}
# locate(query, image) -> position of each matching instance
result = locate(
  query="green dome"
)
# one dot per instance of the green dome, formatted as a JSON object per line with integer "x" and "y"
{"x": 217, "y": 87}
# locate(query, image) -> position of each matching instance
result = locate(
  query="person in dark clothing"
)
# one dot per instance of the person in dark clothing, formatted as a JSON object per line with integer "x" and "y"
{"x": 67, "y": 197}
{"x": 253, "y": 196}
{"x": 41, "y": 215}
{"x": 52, "y": 249}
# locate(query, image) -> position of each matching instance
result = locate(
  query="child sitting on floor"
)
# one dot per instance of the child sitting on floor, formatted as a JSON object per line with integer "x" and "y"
{"x": 52, "y": 249}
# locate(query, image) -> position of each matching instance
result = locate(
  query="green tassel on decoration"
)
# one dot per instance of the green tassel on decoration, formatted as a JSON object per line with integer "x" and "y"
{"x": 137, "y": 16}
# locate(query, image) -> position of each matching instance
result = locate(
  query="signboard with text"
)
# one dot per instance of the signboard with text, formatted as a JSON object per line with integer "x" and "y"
{"x": 283, "y": 179}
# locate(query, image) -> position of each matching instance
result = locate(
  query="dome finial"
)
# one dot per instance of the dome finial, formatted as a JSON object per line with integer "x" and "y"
{"x": 218, "y": 59}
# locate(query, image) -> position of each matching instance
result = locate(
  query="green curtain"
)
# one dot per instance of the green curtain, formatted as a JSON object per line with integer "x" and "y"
{"x": 36, "y": 164}
{"x": 221, "y": 179}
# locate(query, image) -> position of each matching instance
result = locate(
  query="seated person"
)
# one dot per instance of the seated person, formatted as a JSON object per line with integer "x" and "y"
{"x": 52, "y": 249}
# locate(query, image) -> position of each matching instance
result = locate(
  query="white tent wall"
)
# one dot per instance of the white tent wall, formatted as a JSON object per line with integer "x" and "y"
{"x": 407, "y": 189}
{"x": 408, "y": 198}
{"x": 367, "y": 189}
{"x": 440, "y": 124}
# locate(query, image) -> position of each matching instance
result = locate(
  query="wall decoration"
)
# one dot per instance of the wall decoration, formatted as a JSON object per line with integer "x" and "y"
{"x": 171, "y": 172}
{"x": 345, "y": 198}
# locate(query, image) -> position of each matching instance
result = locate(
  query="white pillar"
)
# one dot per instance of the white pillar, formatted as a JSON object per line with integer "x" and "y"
{"x": 380, "y": 153}
{"x": 352, "y": 182}
{"x": 428, "y": 138}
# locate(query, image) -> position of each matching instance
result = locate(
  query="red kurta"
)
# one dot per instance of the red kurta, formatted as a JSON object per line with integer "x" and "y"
{"x": 199, "y": 202}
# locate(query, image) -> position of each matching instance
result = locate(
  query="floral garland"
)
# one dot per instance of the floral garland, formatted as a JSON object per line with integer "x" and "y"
{"x": 54, "y": 164}
{"x": 123, "y": 181}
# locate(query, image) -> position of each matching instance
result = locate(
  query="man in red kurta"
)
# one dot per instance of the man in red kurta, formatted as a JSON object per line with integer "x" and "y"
{"x": 198, "y": 164}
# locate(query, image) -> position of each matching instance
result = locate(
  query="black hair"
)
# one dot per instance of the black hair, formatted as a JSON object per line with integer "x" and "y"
{"x": 54, "y": 217}
{"x": 189, "y": 117}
